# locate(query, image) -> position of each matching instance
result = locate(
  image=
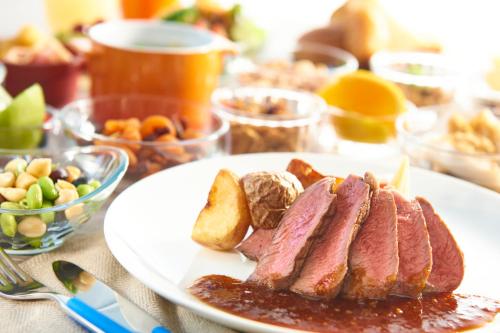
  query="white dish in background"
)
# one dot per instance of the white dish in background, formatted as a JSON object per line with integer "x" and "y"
{"x": 148, "y": 227}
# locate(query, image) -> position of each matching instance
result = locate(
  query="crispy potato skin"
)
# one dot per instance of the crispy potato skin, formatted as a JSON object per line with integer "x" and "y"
{"x": 269, "y": 195}
{"x": 224, "y": 221}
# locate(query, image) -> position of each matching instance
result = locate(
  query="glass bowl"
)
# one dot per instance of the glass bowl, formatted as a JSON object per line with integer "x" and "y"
{"x": 46, "y": 136}
{"x": 337, "y": 60}
{"x": 84, "y": 120}
{"x": 256, "y": 133}
{"x": 104, "y": 164}
{"x": 422, "y": 137}
{"x": 477, "y": 92}
{"x": 360, "y": 136}
{"x": 425, "y": 78}
{"x": 309, "y": 67}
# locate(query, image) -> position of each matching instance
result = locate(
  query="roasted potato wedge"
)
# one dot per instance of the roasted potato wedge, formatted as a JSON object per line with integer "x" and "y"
{"x": 304, "y": 172}
{"x": 223, "y": 222}
{"x": 269, "y": 194}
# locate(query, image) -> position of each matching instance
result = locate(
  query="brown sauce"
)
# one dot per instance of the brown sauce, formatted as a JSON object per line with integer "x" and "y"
{"x": 432, "y": 313}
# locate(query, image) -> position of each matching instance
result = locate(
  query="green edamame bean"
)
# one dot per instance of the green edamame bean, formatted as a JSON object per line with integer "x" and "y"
{"x": 34, "y": 197}
{"x": 95, "y": 183}
{"x": 48, "y": 188}
{"x": 34, "y": 242}
{"x": 8, "y": 224}
{"x": 84, "y": 189}
{"x": 10, "y": 205}
{"x": 24, "y": 204}
{"x": 48, "y": 217}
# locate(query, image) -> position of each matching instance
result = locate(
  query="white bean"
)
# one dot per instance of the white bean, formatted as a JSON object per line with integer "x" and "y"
{"x": 13, "y": 194}
{"x": 40, "y": 167}
{"x": 25, "y": 180}
{"x": 66, "y": 195}
{"x": 32, "y": 227}
{"x": 7, "y": 179}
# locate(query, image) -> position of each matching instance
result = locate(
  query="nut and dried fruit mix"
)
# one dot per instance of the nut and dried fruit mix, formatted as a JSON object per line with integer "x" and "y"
{"x": 133, "y": 136}
{"x": 422, "y": 95}
{"x": 480, "y": 134}
{"x": 247, "y": 137}
{"x": 298, "y": 75}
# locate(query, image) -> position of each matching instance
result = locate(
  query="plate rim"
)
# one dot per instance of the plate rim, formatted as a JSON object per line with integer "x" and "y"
{"x": 113, "y": 240}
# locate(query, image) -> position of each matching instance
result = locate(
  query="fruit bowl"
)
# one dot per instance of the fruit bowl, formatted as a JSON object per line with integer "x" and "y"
{"x": 59, "y": 81}
{"x": 105, "y": 165}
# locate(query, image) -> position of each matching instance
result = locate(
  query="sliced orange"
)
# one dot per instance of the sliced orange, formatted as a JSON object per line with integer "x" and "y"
{"x": 366, "y": 93}
{"x": 368, "y": 106}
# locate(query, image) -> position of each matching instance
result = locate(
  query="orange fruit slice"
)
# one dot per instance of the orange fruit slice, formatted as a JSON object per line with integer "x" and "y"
{"x": 367, "y": 106}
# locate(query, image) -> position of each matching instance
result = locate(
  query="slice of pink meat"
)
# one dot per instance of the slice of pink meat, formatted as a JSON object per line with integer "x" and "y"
{"x": 414, "y": 249}
{"x": 254, "y": 246}
{"x": 283, "y": 259}
{"x": 447, "y": 258}
{"x": 373, "y": 258}
{"x": 326, "y": 266}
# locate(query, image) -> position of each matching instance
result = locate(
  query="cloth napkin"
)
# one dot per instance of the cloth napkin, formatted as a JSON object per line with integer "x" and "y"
{"x": 88, "y": 249}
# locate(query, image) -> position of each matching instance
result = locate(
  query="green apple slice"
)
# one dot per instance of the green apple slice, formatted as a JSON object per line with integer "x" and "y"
{"x": 5, "y": 101}
{"x": 27, "y": 109}
{"x": 5, "y": 98}
{"x": 20, "y": 119}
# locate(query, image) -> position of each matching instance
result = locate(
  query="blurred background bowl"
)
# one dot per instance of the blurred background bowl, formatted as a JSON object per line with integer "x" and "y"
{"x": 84, "y": 120}
{"x": 423, "y": 137}
{"x": 355, "y": 126}
{"x": 337, "y": 60}
{"x": 104, "y": 164}
{"x": 293, "y": 131}
{"x": 59, "y": 81}
{"x": 425, "y": 78}
{"x": 308, "y": 67}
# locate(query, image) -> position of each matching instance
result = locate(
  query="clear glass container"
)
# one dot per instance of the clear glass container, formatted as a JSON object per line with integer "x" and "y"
{"x": 308, "y": 68}
{"x": 293, "y": 131}
{"x": 84, "y": 120}
{"x": 47, "y": 136}
{"x": 104, "y": 164}
{"x": 422, "y": 135}
{"x": 425, "y": 78}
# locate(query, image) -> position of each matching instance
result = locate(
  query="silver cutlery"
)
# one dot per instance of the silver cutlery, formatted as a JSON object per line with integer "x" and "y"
{"x": 84, "y": 286}
{"x": 16, "y": 284}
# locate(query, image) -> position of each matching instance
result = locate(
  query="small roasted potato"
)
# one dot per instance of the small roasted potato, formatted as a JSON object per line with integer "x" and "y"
{"x": 269, "y": 195}
{"x": 304, "y": 172}
{"x": 224, "y": 221}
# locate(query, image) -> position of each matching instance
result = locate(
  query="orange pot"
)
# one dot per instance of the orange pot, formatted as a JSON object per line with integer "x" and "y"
{"x": 157, "y": 58}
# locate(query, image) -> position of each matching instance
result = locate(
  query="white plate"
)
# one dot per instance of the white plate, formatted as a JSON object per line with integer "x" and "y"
{"x": 148, "y": 227}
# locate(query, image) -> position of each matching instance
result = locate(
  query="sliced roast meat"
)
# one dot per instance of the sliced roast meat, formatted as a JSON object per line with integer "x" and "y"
{"x": 253, "y": 247}
{"x": 373, "y": 257}
{"x": 447, "y": 258}
{"x": 326, "y": 265}
{"x": 414, "y": 249}
{"x": 283, "y": 259}
{"x": 372, "y": 181}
